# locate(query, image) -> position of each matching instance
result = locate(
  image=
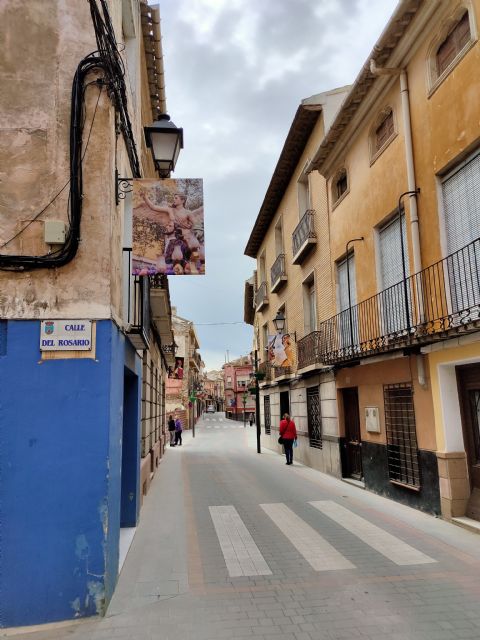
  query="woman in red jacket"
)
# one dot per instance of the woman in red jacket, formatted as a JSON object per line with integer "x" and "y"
{"x": 288, "y": 432}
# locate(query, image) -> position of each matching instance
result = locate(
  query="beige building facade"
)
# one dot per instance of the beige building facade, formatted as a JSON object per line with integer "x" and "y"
{"x": 390, "y": 336}
{"x": 82, "y": 450}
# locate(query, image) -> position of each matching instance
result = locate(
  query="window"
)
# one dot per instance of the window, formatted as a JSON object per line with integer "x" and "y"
{"x": 265, "y": 340}
{"x": 314, "y": 418}
{"x": 384, "y": 131}
{"x": 453, "y": 44}
{"x": 303, "y": 195}
{"x": 395, "y": 305}
{"x": 402, "y": 451}
{"x": 461, "y": 208}
{"x": 309, "y": 305}
{"x": 347, "y": 323}
{"x": 278, "y": 238}
{"x": 341, "y": 184}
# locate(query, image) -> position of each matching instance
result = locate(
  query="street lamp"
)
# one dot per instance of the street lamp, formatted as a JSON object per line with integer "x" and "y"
{"x": 165, "y": 140}
{"x": 279, "y": 322}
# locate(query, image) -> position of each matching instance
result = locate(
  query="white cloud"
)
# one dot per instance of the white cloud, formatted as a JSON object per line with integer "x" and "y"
{"x": 236, "y": 71}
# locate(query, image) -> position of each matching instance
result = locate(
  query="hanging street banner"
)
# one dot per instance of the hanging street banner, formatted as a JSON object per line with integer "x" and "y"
{"x": 281, "y": 350}
{"x": 168, "y": 229}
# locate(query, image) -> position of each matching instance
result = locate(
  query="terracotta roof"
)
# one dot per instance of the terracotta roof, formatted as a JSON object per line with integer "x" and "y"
{"x": 381, "y": 53}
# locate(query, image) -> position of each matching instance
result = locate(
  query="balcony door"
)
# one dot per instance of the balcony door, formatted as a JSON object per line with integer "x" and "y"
{"x": 395, "y": 295}
{"x": 347, "y": 321}
{"x": 461, "y": 206}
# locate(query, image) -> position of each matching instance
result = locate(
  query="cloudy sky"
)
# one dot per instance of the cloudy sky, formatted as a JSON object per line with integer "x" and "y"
{"x": 236, "y": 71}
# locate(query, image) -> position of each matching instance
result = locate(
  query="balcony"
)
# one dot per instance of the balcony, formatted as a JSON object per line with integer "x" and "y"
{"x": 278, "y": 274}
{"x": 438, "y": 303}
{"x": 261, "y": 297}
{"x": 304, "y": 237}
{"x": 138, "y": 312}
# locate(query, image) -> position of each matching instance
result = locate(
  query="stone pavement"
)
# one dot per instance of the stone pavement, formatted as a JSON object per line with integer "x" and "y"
{"x": 232, "y": 544}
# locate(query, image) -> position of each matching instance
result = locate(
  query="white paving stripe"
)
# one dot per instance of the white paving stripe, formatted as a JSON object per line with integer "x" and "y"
{"x": 316, "y": 550}
{"x": 242, "y": 556}
{"x": 390, "y": 546}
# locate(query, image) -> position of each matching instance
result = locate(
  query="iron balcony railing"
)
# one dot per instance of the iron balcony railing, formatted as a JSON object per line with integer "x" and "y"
{"x": 278, "y": 271}
{"x": 303, "y": 231}
{"x": 261, "y": 296}
{"x": 137, "y": 307}
{"x": 427, "y": 307}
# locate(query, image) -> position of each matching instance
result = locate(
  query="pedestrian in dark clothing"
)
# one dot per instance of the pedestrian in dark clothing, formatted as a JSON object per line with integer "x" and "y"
{"x": 288, "y": 433}
{"x": 178, "y": 432}
{"x": 171, "y": 430}
{"x": 251, "y": 419}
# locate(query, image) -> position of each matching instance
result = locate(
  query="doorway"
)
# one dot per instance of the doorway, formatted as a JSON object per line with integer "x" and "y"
{"x": 284, "y": 403}
{"x": 353, "y": 442}
{"x": 130, "y": 469}
{"x": 468, "y": 379}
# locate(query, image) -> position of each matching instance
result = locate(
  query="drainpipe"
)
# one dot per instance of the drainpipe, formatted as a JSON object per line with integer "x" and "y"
{"x": 412, "y": 188}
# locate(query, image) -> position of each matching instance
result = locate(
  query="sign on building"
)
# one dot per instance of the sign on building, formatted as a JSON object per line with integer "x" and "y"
{"x": 66, "y": 335}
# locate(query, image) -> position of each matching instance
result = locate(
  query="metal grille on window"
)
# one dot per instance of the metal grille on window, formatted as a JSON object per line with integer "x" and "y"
{"x": 314, "y": 418}
{"x": 268, "y": 421}
{"x": 402, "y": 451}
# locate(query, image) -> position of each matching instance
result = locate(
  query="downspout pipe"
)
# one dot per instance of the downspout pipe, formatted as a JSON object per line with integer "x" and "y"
{"x": 407, "y": 127}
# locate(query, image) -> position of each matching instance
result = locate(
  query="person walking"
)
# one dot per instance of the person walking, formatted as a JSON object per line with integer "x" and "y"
{"x": 288, "y": 433}
{"x": 171, "y": 430}
{"x": 251, "y": 419}
{"x": 178, "y": 432}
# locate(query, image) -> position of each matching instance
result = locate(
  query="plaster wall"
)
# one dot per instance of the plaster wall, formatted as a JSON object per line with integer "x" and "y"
{"x": 370, "y": 379}
{"x": 60, "y": 525}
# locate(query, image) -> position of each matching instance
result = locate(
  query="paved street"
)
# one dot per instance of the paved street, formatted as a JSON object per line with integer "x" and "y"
{"x": 233, "y": 544}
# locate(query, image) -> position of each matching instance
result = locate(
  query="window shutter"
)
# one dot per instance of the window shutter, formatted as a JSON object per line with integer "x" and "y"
{"x": 391, "y": 253}
{"x": 461, "y": 202}
{"x": 343, "y": 283}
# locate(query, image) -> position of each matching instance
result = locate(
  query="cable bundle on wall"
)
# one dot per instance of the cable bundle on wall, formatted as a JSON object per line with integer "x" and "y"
{"x": 108, "y": 62}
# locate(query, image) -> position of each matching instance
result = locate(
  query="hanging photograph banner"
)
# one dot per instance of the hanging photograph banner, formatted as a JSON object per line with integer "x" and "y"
{"x": 281, "y": 350}
{"x": 176, "y": 372}
{"x": 168, "y": 229}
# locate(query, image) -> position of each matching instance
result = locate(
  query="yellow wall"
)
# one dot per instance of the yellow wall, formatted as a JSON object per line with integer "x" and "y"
{"x": 462, "y": 354}
{"x": 370, "y": 378}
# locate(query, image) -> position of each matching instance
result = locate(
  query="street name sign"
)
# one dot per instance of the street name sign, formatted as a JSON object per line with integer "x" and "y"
{"x": 66, "y": 335}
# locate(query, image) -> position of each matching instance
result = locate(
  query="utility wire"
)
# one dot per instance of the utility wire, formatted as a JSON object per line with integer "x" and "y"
{"x": 35, "y": 217}
{"x": 215, "y": 324}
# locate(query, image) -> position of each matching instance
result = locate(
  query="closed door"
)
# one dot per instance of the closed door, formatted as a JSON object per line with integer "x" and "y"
{"x": 469, "y": 393}
{"x": 353, "y": 442}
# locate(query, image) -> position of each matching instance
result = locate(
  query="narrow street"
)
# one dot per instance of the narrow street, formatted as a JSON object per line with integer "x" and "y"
{"x": 232, "y": 544}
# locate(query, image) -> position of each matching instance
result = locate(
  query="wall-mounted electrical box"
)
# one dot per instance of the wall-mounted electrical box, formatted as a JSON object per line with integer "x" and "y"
{"x": 372, "y": 419}
{"x": 54, "y": 232}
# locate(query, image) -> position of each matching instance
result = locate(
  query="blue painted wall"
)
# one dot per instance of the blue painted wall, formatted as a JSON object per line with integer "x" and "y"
{"x": 60, "y": 486}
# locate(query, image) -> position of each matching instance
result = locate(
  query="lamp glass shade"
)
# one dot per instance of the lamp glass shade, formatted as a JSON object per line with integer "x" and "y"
{"x": 165, "y": 140}
{"x": 279, "y": 322}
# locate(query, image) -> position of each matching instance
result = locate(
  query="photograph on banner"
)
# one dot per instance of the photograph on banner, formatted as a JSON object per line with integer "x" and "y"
{"x": 281, "y": 350}
{"x": 176, "y": 372}
{"x": 168, "y": 228}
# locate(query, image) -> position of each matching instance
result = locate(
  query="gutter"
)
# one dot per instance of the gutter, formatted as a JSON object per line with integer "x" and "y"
{"x": 152, "y": 40}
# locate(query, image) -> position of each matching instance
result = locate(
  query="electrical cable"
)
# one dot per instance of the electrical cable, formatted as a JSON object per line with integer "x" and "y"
{"x": 108, "y": 61}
